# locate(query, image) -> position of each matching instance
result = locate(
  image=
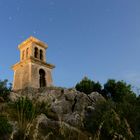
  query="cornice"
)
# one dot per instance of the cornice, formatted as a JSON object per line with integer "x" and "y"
{"x": 32, "y": 60}
{"x": 33, "y": 40}
{"x": 37, "y": 61}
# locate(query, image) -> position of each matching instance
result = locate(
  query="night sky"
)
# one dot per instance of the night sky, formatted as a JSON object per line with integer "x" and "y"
{"x": 95, "y": 38}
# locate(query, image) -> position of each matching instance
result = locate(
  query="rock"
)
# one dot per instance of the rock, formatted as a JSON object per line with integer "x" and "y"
{"x": 14, "y": 96}
{"x": 75, "y": 119}
{"x": 95, "y": 96}
{"x": 62, "y": 102}
{"x": 1, "y": 100}
{"x": 61, "y": 106}
{"x": 64, "y": 108}
{"x": 70, "y": 95}
{"x": 45, "y": 127}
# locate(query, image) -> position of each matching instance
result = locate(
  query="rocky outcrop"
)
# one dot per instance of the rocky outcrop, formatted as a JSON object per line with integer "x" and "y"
{"x": 68, "y": 104}
{"x": 61, "y": 108}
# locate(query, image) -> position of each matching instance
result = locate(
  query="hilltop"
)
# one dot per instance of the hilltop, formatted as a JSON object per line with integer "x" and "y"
{"x": 55, "y": 113}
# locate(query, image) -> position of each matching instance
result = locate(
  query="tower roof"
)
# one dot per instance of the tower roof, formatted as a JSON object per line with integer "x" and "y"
{"x": 32, "y": 39}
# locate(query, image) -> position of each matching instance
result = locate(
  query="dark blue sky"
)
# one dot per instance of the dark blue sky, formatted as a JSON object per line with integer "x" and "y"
{"x": 96, "y": 38}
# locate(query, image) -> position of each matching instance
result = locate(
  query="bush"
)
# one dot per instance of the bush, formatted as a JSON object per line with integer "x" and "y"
{"x": 5, "y": 127}
{"x": 4, "y": 89}
{"x": 24, "y": 112}
{"x": 87, "y": 86}
{"x": 117, "y": 90}
{"x": 105, "y": 123}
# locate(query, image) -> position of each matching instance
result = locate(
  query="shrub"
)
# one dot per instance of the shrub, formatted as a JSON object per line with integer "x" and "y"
{"x": 105, "y": 123}
{"x": 4, "y": 89}
{"x": 87, "y": 86}
{"x": 117, "y": 90}
{"x": 5, "y": 127}
{"x": 24, "y": 112}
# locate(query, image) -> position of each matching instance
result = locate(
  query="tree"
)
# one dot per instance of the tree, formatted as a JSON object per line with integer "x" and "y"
{"x": 117, "y": 90}
{"x": 87, "y": 86}
{"x": 126, "y": 104}
{"x": 4, "y": 89}
{"x": 105, "y": 123}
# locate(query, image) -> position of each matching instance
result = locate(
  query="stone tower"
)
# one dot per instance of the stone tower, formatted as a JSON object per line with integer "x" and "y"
{"x": 32, "y": 70}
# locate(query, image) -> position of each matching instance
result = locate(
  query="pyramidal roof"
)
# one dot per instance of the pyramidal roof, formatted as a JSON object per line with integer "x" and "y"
{"x": 34, "y": 40}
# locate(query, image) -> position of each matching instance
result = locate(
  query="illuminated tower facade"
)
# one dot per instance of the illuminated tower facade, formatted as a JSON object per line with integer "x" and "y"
{"x": 32, "y": 70}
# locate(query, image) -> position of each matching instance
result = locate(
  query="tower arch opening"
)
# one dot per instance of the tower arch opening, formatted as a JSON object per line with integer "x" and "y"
{"x": 41, "y": 55}
{"x": 27, "y": 52}
{"x": 42, "y": 79}
{"x": 36, "y": 52}
{"x": 23, "y": 53}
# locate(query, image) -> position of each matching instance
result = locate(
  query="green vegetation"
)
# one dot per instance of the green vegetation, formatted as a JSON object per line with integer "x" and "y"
{"x": 117, "y": 90}
{"x": 24, "y": 112}
{"x": 87, "y": 86}
{"x": 4, "y": 89}
{"x": 5, "y": 127}
{"x": 107, "y": 123}
{"x": 119, "y": 116}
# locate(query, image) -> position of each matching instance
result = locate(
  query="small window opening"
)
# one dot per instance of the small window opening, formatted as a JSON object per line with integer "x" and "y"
{"x": 23, "y": 55}
{"x": 36, "y": 52}
{"x": 41, "y": 55}
{"x": 27, "y": 52}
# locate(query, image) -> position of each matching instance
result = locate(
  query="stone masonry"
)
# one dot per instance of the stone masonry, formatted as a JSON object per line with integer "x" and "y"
{"x": 32, "y": 70}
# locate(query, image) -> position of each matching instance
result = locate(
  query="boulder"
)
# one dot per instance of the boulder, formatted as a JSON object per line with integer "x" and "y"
{"x": 63, "y": 108}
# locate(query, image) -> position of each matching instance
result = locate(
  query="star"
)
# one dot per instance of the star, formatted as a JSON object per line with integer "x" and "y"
{"x": 35, "y": 32}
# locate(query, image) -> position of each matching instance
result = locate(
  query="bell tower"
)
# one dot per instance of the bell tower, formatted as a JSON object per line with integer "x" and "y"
{"x": 32, "y": 70}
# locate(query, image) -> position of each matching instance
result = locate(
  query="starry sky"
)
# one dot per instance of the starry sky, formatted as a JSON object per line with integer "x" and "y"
{"x": 95, "y": 38}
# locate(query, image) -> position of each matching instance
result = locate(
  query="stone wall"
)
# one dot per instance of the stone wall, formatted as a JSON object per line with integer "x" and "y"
{"x": 35, "y": 75}
{"x": 21, "y": 77}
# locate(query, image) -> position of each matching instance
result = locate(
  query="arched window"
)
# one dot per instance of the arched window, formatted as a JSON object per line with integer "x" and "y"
{"x": 36, "y": 52}
{"x": 27, "y": 52}
{"x": 41, "y": 55}
{"x": 42, "y": 80}
{"x": 23, "y": 55}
